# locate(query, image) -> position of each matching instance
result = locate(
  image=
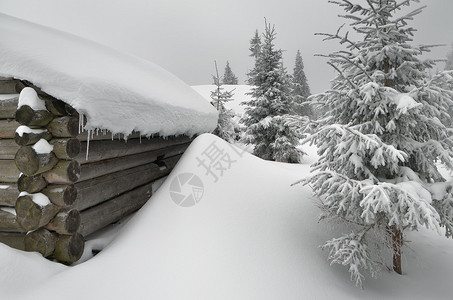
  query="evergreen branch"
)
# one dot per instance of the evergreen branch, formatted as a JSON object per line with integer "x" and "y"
{"x": 342, "y": 75}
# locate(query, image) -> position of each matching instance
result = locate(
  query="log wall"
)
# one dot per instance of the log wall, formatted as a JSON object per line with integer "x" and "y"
{"x": 87, "y": 191}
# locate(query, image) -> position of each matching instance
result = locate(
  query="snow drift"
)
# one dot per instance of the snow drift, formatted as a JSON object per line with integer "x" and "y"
{"x": 250, "y": 236}
{"x": 115, "y": 91}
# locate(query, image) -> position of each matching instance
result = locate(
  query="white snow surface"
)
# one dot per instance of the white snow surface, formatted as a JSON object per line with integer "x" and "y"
{"x": 42, "y": 147}
{"x": 116, "y": 91}
{"x": 28, "y": 96}
{"x": 405, "y": 102}
{"x": 38, "y": 198}
{"x": 8, "y": 96}
{"x": 10, "y": 210}
{"x": 251, "y": 236}
{"x": 239, "y": 95}
{"x": 25, "y": 129}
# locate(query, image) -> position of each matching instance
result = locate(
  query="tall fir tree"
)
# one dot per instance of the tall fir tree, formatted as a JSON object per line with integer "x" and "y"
{"x": 255, "y": 49}
{"x": 226, "y": 127}
{"x": 228, "y": 76}
{"x": 382, "y": 138}
{"x": 301, "y": 90}
{"x": 270, "y": 126}
{"x": 255, "y": 45}
{"x": 449, "y": 63}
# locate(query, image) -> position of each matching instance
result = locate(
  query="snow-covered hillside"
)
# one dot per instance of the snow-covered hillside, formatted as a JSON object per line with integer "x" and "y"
{"x": 231, "y": 228}
{"x": 239, "y": 95}
{"x": 114, "y": 90}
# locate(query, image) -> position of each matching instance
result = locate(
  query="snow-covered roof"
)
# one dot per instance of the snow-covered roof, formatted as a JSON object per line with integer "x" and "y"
{"x": 116, "y": 91}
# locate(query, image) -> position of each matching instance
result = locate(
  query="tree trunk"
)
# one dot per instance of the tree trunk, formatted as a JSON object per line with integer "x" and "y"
{"x": 397, "y": 243}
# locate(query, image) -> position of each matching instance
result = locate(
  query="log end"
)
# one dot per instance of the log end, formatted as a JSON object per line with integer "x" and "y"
{"x": 69, "y": 248}
{"x": 25, "y": 115}
{"x": 42, "y": 241}
{"x": 31, "y": 184}
{"x": 28, "y": 213}
{"x": 27, "y": 160}
{"x": 73, "y": 148}
{"x": 72, "y": 222}
{"x": 30, "y": 163}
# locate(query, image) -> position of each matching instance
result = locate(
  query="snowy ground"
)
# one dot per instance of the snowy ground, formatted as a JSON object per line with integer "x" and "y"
{"x": 250, "y": 235}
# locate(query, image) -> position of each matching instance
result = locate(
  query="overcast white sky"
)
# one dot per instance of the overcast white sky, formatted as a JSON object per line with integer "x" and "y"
{"x": 185, "y": 37}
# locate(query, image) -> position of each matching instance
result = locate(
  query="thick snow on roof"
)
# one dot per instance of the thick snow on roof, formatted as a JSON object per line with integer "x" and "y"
{"x": 115, "y": 91}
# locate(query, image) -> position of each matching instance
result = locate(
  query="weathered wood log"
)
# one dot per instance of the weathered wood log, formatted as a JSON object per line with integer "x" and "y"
{"x": 55, "y": 106}
{"x": 31, "y": 215}
{"x": 69, "y": 248}
{"x": 8, "y": 171}
{"x": 97, "y": 190}
{"x": 104, "y": 167}
{"x": 8, "y": 194}
{"x": 101, "y": 150}
{"x": 24, "y": 83}
{"x": 29, "y": 162}
{"x": 61, "y": 195}
{"x": 31, "y": 184}
{"x": 64, "y": 127}
{"x": 99, "y": 216}
{"x": 71, "y": 111}
{"x": 9, "y": 86}
{"x": 65, "y": 172}
{"x": 66, "y": 148}
{"x": 42, "y": 241}
{"x": 8, "y": 128}
{"x": 25, "y": 115}
{"x": 169, "y": 162}
{"x": 31, "y": 138}
{"x": 8, "y": 149}
{"x": 12, "y": 239}
{"x": 65, "y": 222}
{"x": 8, "y": 221}
{"x": 8, "y": 108}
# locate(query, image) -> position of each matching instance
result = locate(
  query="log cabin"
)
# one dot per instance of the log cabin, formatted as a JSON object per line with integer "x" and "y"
{"x": 72, "y": 159}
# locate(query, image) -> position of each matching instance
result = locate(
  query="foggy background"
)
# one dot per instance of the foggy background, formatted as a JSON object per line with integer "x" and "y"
{"x": 185, "y": 37}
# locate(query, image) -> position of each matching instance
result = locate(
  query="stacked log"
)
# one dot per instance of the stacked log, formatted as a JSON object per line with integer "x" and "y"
{"x": 50, "y": 201}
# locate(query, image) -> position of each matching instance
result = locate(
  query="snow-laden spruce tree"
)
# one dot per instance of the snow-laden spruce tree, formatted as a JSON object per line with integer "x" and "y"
{"x": 255, "y": 49}
{"x": 228, "y": 76}
{"x": 270, "y": 124}
{"x": 382, "y": 138}
{"x": 301, "y": 90}
{"x": 226, "y": 128}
